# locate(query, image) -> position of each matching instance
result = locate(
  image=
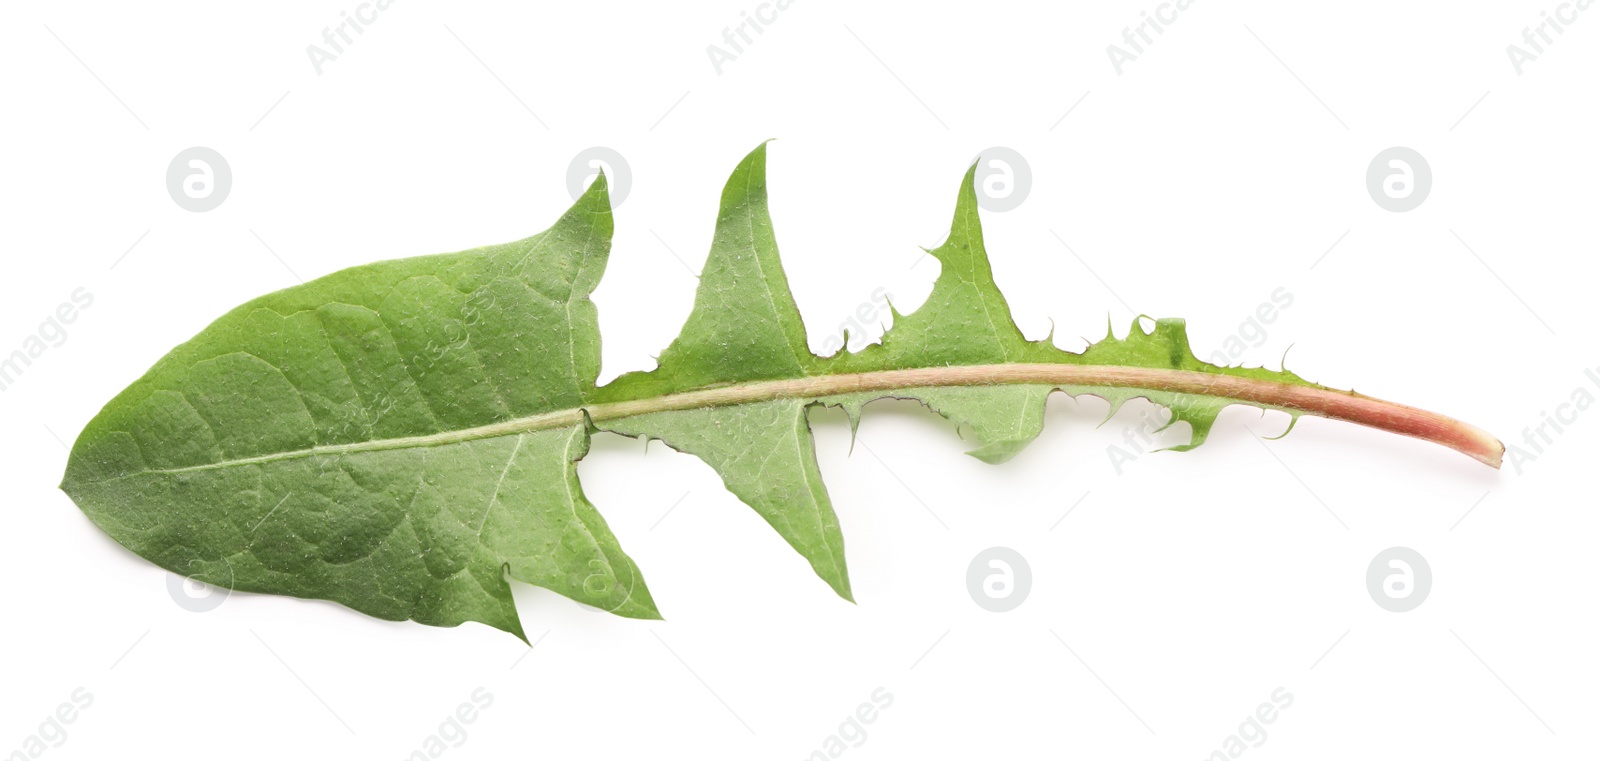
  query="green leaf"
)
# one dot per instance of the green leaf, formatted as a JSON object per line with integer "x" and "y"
{"x": 401, "y": 437}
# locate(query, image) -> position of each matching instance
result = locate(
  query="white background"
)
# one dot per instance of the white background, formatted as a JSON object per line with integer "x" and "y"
{"x": 1176, "y": 596}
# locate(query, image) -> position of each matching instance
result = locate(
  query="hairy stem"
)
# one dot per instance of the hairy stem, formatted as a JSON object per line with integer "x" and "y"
{"x": 1337, "y": 405}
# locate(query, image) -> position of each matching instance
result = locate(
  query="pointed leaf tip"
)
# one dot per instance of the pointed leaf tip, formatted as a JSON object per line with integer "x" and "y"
{"x": 968, "y": 198}
{"x": 599, "y": 186}
{"x": 747, "y": 181}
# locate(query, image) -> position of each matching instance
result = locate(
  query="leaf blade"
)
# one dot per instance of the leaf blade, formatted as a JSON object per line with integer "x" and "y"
{"x": 400, "y": 437}
{"x": 391, "y": 351}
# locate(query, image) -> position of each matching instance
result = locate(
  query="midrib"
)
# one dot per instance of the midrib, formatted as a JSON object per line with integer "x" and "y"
{"x": 1336, "y": 405}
